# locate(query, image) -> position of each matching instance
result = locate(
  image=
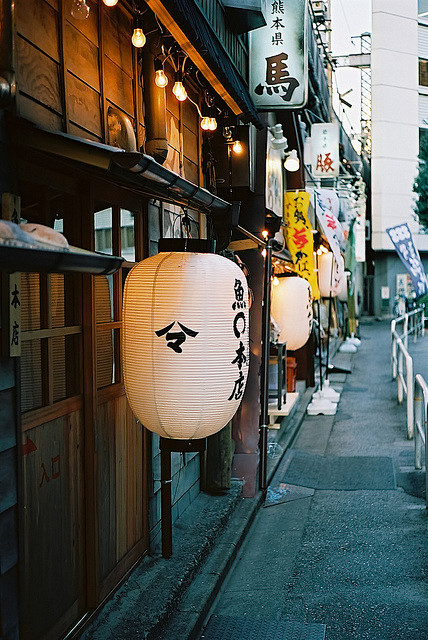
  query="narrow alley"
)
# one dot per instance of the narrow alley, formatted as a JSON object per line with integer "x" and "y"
{"x": 352, "y": 556}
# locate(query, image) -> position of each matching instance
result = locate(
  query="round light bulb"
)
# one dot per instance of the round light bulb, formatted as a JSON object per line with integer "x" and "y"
{"x": 205, "y": 123}
{"x": 265, "y": 233}
{"x": 237, "y": 147}
{"x": 110, "y": 3}
{"x": 264, "y": 253}
{"x": 79, "y": 10}
{"x": 275, "y": 281}
{"x": 212, "y": 125}
{"x": 138, "y": 38}
{"x": 179, "y": 91}
{"x": 160, "y": 79}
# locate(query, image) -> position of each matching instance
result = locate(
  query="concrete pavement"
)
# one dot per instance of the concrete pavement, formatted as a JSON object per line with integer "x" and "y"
{"x": 353, "y": 560}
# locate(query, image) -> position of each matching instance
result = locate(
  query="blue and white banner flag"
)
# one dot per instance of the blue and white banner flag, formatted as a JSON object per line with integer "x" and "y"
{"x": 402, "y": 240}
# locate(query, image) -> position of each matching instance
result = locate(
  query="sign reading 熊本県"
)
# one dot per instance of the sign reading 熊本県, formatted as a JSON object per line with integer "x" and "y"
{"x": 325, "y": 149}
{"x": 278, "y": 56}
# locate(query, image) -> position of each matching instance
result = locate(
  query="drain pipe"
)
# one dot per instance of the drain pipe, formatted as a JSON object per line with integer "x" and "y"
{"x": 156, "y": 144}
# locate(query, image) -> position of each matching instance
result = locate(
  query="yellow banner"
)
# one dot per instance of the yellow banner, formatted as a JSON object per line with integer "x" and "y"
{"x": 299, "y": 237}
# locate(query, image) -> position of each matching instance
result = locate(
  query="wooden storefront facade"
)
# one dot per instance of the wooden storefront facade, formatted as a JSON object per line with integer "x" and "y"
{"x": 82, "y": 503}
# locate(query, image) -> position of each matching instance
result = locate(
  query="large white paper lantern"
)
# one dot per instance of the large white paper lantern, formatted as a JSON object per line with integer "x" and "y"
{"x": 291, "y": 308}
{"x": 329, "y": 278}
{"x": 185, "y": 342}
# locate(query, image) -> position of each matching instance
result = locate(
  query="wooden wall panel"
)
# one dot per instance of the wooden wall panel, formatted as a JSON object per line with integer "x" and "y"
{"x": 88, "y": 27}
{"x": 81, "y": 56}
{"x": 190, "y": 145}
{"x": 173, "y": 130}
{"x": 190, "y": 115}
{"x": 7, "y": 479}
{"x": 38, "y": 75}
{"x": 120, "y": 482}
{"x": 118, "y": 87}
{"x": 134, "y": 478}
{"x": 8, "y": 541}
{"x": 191, "y": 171}
{"x": 53, "y": 526}
{"x": 38, "y": 23}
{"x": 7, "y": 419}
{"x": 117, "y": 39}
{"x": 121, "y": 469}
{"x": 84, "y": 105}
{"x": 106, "y": 479}
{"x": 74, "y": 130}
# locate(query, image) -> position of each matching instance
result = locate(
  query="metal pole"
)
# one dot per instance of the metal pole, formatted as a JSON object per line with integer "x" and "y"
{"x": 410, "y": 388}
{"x": 328, "y": 335}
{"x": 264, "y": 382}
{"x": 166, "y": 506}
{"x": 329, "y": 320}
{"x": 319, "y": 340}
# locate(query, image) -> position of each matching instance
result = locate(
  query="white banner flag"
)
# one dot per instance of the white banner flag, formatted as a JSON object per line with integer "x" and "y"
{"x": 326, "y": 206}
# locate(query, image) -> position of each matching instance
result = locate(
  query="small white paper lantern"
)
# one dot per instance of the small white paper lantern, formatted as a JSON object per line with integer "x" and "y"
{"x": 185, "y": 342}
{"x": 329, "y": 280}
{"x": 291, "y": 309}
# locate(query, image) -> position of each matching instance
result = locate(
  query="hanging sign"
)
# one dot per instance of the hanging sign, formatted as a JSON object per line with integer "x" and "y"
{"x": 11, "y": 211}
{"x": 299, "y": 237}
{"x": 325, "y": 150}
{"x": 325, "y": 203}
{"x": 278, "y": 56}
{"x": 402, "y": 240}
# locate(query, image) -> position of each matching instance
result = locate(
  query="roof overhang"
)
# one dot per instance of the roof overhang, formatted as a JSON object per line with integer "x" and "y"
{"x": 188, "y": 25}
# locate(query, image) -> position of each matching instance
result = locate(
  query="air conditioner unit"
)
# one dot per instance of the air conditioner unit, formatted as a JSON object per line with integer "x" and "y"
{"x": 319, "y": 10}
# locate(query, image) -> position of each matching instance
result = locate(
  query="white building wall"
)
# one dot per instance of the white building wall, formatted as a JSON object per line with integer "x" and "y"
{"x": 395, "y": 118}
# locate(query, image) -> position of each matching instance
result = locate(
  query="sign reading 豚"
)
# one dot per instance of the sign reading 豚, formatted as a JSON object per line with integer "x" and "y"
{"x": 278, "y": 56}
{"x": 403, "y": 242}
{"x": 325, "y": 149}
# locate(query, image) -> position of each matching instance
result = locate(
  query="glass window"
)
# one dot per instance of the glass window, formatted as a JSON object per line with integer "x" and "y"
{"x": 50, "y": 317}
{"x": 103, "y": 224}
{"x": 423, "y": 73}
{"x": 127, "y": 236}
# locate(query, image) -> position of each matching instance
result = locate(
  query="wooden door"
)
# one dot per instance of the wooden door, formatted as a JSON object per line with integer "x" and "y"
{"x": 83, "y": 500}
{"x": 53, "y": 555}
{"x": 121, "y": 487}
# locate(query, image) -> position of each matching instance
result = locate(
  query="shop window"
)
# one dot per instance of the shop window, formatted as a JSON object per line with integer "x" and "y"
{"x": 50, "y": 316}
{"x": 127, "y": 235}
{"x": 423, "y": 73}
{"x": 114, "y": 230}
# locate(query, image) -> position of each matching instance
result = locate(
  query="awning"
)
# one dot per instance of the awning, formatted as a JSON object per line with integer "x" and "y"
{"x": 190, "y": 28}
{"x": 131, "y": 169}
{"x": 51, "y": 261}
{"x": 139, "y": 169}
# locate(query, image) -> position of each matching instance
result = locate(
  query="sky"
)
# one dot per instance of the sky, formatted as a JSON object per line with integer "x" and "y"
{"x": 349, "y": 18}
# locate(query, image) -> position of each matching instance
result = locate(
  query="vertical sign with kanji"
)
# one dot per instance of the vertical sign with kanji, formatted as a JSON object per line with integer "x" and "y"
{"x": 325, "y": 150}
{"x": 299, "y": 237}
{"x": 11, "y": 210}
{"x": 278, "y": 56}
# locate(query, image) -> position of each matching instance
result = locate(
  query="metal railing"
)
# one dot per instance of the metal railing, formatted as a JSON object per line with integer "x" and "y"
{"x": 403, "y": 367}
{"x": 402, "y": 362}
{"x": 412, "y": 323}
{"x": 421, "y": 440}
